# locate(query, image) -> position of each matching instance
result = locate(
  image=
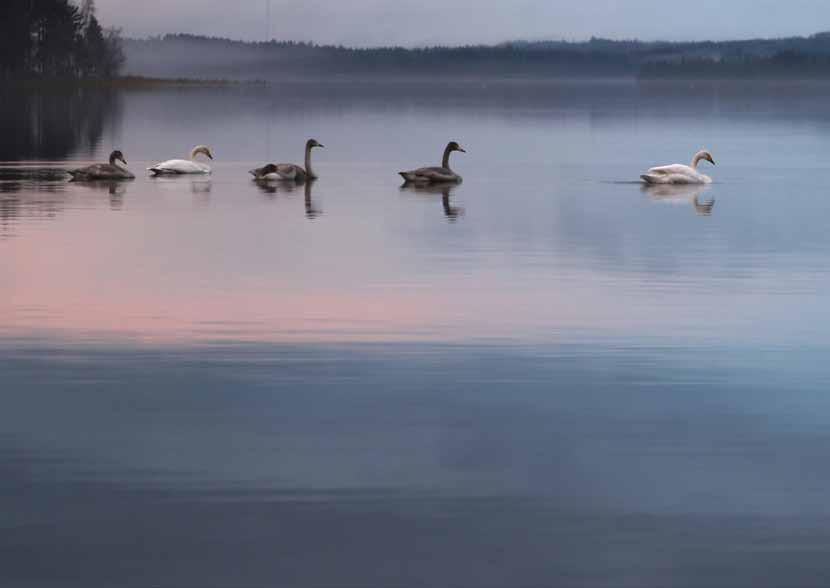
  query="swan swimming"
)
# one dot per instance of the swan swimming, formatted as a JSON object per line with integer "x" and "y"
{"x": 680, "y": 174}
{"x": 104, "y": 171}
{"x": 289, "y": 171}
{"x": 184, "y": 166}
{"x": 428, "y": 175}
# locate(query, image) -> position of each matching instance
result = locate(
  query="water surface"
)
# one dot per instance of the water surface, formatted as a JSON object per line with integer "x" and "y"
{"x": 544, "y": 376}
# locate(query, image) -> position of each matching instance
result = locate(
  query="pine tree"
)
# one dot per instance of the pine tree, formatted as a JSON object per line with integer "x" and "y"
{"x": 87, "y": 12}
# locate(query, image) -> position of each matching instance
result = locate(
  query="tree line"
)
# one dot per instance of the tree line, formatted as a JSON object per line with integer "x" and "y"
{"x": 781, "y": 65}
{"x": 56, "y": 39}
{"x": 217, "y": 58}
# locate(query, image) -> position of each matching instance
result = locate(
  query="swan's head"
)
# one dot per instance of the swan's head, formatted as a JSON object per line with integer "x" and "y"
{"x": 453, "y": 146}
{"x": 311, "y": 143}
{"x": 704, "y": 155}
{"x": 201, "y": 149}
{"x": 117, "y": 156}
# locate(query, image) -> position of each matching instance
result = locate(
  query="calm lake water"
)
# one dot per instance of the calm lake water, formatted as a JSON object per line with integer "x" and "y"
{"x": 544, "y": 377}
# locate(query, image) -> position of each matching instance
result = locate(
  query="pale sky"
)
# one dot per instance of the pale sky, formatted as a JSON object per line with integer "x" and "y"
{"x": 419, "y": 22}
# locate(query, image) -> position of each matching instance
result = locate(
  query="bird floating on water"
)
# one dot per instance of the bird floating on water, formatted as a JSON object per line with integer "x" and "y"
{"x": 680, "y": 174}
{"x": 104, "y": 171}
{"x": 184, "y": 166}
{"x": 289, "y": 171}
{"x": 428, "y": 175}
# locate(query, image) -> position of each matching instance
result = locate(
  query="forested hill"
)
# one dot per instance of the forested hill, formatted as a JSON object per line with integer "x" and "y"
{"x": 215, "y": 58}
{"x": 186, "y": 56}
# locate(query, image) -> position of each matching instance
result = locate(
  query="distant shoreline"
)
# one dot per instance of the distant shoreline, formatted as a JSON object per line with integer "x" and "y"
{"x": 486, "y": 80}
{"x": 190, "y": 56}
{"x": 126, "y": 82}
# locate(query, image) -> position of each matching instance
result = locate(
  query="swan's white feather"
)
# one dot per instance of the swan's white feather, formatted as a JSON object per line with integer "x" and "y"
{"x": 675, "y": 174}
{"x": 676, "y": 168}
{"x": 675, "y": 178}
{"x": 180, "y": 166}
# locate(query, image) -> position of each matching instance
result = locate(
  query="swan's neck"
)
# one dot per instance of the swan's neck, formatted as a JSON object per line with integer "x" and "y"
{"x": 309, "y": 172}
{"x": 446, "y": 161}
{"x": 114, "y": 163}
{"x": 697, "y": 159}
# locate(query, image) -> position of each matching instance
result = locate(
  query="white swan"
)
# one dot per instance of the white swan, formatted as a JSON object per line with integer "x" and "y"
{"x": 680, "y": 174}
{"x": 183, "y": 166}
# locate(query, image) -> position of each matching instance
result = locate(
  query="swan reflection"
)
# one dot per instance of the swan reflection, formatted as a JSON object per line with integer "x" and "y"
{"x": 200, "y": 186}
{"x": 445, "y": 189}
{"x": 115, "y": 188}
{"x": 272, "y": 188}
{"x": 196, "y": 184}
{"x": 682, "y": 194}
{"x": 311, "y": 211}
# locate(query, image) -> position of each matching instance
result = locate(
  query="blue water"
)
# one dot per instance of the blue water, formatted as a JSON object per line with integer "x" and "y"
{"x": 544, "y": 377}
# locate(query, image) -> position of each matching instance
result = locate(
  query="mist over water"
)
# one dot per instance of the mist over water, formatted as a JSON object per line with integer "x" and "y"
{"x": 543, "y": 376}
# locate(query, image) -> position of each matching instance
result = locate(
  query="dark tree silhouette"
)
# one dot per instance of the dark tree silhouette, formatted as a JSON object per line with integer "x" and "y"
{"x": 56, "y": 39}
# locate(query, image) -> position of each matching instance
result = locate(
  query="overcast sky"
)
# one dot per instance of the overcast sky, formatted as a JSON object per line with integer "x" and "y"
{"x": 419, "y": 22}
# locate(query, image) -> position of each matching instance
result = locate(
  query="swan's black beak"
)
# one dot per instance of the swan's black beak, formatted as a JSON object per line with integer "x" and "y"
{"x": 462, "y": 150}
{"x": 320, "y": 145}
{"x": 122, "y": 160}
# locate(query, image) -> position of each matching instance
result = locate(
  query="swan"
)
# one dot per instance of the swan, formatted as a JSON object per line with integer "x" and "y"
{"x": 104, "y": 171}
{"x": 183, "y": 166}
{"x": 426, "y": 175}
{"x": 680, "y": 174}
{"x": 289, "y": 171}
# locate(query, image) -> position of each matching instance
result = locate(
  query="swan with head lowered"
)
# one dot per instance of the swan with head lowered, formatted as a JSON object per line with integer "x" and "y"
{"x": 289, "y": 171}
{"x": 680, "y": 174}
{"x": 428, "y": 175}
{"x": 184, "y": 166}
{"x": 104, "y": 171}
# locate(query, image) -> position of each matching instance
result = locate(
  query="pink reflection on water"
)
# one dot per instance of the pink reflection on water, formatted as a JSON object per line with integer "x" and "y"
{"x": 164, "y": 268}
{"x": 83, "y": 278}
